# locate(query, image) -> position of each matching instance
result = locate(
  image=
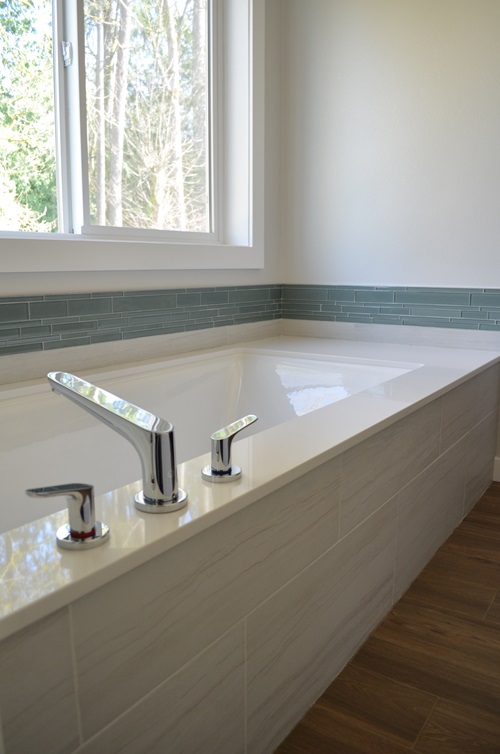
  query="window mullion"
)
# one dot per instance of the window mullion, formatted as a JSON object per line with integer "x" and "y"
{"x": 71, "y": 135}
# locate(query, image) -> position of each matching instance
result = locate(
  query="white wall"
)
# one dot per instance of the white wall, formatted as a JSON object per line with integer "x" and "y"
{"x": 391, "y": 151}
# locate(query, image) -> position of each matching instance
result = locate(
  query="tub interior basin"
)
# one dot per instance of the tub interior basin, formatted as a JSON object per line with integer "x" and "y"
{"x": 47, "y": 440}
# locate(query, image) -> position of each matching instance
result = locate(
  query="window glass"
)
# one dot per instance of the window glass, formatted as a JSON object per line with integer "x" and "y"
{"x": 148, "y": 96}
{"x": 147, "y": 89}
{"x": 28, "y": 199}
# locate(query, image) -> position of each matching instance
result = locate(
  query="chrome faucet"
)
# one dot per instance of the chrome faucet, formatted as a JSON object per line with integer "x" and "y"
{"x": 220, "y": 468}
{"x": 151, "y": 436}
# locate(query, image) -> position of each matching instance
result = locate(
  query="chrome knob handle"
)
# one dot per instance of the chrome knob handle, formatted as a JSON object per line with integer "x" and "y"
{"x": 220, "y": 468}
{"x": 82, "y": 530}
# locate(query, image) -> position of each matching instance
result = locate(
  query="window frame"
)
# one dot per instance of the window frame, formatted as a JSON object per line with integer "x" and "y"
{"x": 239, "y": 186}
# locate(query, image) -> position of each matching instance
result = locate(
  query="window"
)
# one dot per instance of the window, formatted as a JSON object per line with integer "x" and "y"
{"x": 146, "y": 151}
{"x": 128, "y": 197}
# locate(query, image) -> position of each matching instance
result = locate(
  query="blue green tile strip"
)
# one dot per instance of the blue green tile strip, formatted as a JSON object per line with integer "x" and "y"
{"x": 45, "y": 322}
{"x": 42, "y": 323}
{"x": 457, "y": 308}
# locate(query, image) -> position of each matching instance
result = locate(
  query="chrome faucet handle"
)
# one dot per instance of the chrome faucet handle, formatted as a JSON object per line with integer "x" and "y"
{"x": 220, "y": 468}
{"x": 82, "y": 532}
{"x": 151, "y": 436}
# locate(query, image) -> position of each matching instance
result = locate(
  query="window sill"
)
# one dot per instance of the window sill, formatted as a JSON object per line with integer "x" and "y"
{"x": 63, "y": 253}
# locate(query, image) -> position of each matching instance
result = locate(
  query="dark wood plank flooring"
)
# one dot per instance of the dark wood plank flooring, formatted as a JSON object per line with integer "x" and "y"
{"x": 428, "y": 679}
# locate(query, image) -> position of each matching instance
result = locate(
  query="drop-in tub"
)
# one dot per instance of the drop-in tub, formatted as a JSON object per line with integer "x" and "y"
{"x": 46, "y": 440}
{"x": 233, "y": 614}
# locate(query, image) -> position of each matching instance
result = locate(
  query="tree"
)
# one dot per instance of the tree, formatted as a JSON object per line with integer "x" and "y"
{"x": 27, "y": 147}
{"x": 146, "y": 98}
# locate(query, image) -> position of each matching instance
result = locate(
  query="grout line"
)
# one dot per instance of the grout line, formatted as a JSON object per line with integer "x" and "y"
{"x": 75, "y": 674}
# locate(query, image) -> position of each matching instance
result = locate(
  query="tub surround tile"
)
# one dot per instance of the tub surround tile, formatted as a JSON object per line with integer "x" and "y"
{"x": 311, "y": 628}
{"x": 273, "y": 577}
{"x": 468, "y": 404}
{"x": 37, "y": 690}
{"x": 374, "y": 470}
{"x": 121, "y": 630}
{"x": 481, "y": 444}
{"x": 429, "y": 508}
{"x": 200, "y": 708}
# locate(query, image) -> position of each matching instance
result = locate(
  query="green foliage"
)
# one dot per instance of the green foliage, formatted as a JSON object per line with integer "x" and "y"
{"x": 27, "y": 149}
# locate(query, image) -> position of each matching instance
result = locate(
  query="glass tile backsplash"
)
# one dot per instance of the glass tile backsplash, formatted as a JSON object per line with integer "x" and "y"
{"x": 36, "y": 323}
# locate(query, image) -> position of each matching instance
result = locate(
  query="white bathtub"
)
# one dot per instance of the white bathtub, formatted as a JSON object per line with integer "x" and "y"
{"x": 235, "y": 613}
{"x": 46, "y": 440}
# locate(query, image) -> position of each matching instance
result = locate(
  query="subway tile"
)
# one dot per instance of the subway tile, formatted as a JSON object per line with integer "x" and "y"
{"x": 14, "y": 312}
{"x": 214, "y": 297}
{"x": 254, "y": 294}
{"x": 308, "y": 293}
{"x": 74, "y": 327}
{"x": 125, "y": 631}
{"x": 486, "y": 299}
{"x": 20, "y": 348}
{"x": 30, "y": 332}
{"x": 200, "y": 708}
{"x": 341, "y": 295}
{"x": 89, "y": 306}
{"x": 441, "y": 297}
{"x": 386, "y": 319}
{"x": 44, "y": 309}
{"x": 144, "y": 303}
{"x": 350, "y": 309}
{"x": 188, "y": 299}
{"x": 369, "y": 296}
{"x": 164, "y": 317}
{"x": 9, "y": 332}
{"x": 37, "y": 692}
{"x": 435, "y": 311}
{"x": 353, "y": 318}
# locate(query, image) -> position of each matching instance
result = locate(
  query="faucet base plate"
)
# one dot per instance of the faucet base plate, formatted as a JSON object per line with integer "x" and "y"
{"x": 209, "y": 475}
{"x": 66, "y": 541}
{"x": 157, "y": 506}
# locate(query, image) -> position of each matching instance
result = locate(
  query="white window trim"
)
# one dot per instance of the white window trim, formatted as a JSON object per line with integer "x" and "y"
{"x": 242, "y": 246}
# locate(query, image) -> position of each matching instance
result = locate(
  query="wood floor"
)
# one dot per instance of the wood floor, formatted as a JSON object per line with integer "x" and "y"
{"x": 428, "y": 679}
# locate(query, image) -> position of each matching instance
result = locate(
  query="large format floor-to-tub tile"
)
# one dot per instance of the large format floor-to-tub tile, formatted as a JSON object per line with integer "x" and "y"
{"x": 200, "y": 709}
{"x": 377, "y": 468}
{"x": 136, "y": 631}
{"x": 301, "y": 638}
{"x": 37, "y": 692}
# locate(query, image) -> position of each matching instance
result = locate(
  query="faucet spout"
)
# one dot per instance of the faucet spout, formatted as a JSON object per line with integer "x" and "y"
{"x": 151, "y": 436}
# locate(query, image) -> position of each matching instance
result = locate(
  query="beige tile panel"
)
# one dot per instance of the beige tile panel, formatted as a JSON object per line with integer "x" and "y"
{"x": 37, "y": 691}
{"x": 301, "y": 638}
{"x": 374, "y": 470}
{"x": 479, "y": 460}
{"x": 429, "y": 509}
{"x": 199, "y": 709}
{"x": 133, "y": 633}
{"x": 468, "y": 404}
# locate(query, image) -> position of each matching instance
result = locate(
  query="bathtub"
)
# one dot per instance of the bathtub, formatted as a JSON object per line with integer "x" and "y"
{"x": 363, "y": 460}
{"x": 46, "y": 440}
